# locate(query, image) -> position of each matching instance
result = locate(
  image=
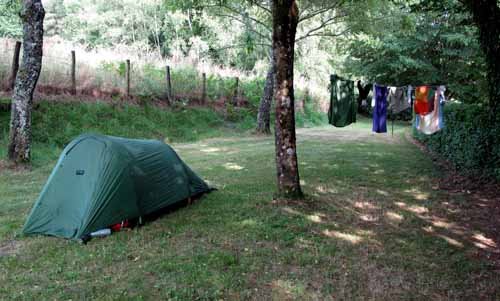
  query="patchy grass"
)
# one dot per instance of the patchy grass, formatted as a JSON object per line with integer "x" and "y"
{"x": 57, "y": 123}
{"x": 371, "y": 227}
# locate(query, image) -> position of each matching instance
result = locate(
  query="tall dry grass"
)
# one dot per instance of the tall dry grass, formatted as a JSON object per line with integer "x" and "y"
{"x": 101, "y": 72}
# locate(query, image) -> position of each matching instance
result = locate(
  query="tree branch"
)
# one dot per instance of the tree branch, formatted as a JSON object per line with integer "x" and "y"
{"x": 241, "y": 46}
{"x": 322, "y": 25}
{"x": 266, "y": 37}
{"x": 322, "y": 34}
{"x": 235, "y": 46}
{"x": 320, "y": 11}
{"x": 261, "y": 6}
{"x": 236, "y": 11}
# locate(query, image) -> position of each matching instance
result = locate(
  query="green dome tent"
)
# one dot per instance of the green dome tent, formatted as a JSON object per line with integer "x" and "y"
{"x": 101, "y": 180}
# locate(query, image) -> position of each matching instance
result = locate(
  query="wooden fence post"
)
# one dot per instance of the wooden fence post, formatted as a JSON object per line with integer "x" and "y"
{"x": 169, "y": 85}
{"x": 127, "y": 77}
{"x": 15, "y": 65}
{"x": 204, "y": 89}
{"x": 235, "y": 96}
{"x": 73, "y": 72}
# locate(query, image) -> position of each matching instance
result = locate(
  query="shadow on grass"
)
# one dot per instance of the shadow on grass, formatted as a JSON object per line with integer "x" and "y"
{"x": 403, "y": 236}
{"x": 374, "y": 226}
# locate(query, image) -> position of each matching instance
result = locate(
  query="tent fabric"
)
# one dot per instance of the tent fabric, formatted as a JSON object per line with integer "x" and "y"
{"x": 343, "y": 106}
{"x": 101, "y": 180}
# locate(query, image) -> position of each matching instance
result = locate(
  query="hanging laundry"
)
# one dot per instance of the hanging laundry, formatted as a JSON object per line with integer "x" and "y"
{"x": 397, "y": 100}
{"x": 424, "y": 100}
{"x": 409, "y": 95}
{"x": 373, "y": 96}
{"x": 343, "y": 106}
{"x": 442, "y": 101}
{"x": 380, "y": 109}
{"x": 432, "y": 122}
{"x": 363, "y": 92}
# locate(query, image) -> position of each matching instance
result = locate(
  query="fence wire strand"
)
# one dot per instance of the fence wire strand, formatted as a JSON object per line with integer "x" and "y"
{"x": 108, "y": 77}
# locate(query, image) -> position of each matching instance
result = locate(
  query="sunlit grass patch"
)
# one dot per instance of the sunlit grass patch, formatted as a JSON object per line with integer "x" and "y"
{"x": 357, "y": 235}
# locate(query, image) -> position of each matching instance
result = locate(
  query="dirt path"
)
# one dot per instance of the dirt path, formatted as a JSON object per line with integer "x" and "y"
{"x": 347, "y": 134}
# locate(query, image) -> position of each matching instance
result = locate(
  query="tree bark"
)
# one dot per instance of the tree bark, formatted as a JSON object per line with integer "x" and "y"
{"x": 486, "y": 15}
{"x": 32, "y": 15}
{"x": 264, "y": 115}
{"x": 285, "y": 19}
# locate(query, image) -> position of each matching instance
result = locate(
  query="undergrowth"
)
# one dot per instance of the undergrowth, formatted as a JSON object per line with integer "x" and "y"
{"x": 58, "y": 123}
{"x": 470, "y": 140}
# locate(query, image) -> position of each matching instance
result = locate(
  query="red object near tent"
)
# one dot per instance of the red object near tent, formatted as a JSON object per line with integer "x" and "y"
{"x": 120, "y": 226}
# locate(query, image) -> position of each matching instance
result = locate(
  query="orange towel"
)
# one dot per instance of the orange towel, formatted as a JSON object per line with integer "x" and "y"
{"x": 424, "y": 100}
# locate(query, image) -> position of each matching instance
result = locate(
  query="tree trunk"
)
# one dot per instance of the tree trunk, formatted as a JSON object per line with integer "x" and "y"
{"x": 486, "y": 15}
{"x": 285, "y": 19}
{"x": 264, "y": 115}
{"x": 32, "y": 14}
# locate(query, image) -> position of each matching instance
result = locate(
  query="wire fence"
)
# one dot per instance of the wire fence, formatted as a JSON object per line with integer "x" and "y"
{"x": 114, "y": 78}
{"x": 104, "y": 73}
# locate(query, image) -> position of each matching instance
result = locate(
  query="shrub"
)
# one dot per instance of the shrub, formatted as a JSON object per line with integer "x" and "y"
{"x": 58, "y": 123}
{"x": 470, "y": 140}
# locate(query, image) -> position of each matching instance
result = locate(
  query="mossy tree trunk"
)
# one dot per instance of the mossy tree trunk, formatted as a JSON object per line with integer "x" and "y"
{"x": 264, "y": 114}
{"x": 285, "y": 19}
{"x": 32, "y": 15}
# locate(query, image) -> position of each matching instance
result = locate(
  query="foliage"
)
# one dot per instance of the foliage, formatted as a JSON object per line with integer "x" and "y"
{"x": 419, "y": 46}
{"x": 393, "y": 42}
{"x": 385, "y": 41}
{"x": 102, "y": 72}
{"x": 310, "y": 116}
{"x": 10, "y": 23}
{"x": 470, "y": 139}
{"x": 57, "y": 123}
{"x": 118, "y": 68}
{"x": 233, "y": 34}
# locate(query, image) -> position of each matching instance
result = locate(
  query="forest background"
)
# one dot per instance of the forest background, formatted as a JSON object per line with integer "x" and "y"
{"x": 387, "y": 42}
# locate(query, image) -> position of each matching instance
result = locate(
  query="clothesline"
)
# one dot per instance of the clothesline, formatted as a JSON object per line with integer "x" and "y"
{"x": 405, "y": 86}
{"x": 428, "y": 119}
{"x": 426, "y": 102}
{"x": 402, "y": 86}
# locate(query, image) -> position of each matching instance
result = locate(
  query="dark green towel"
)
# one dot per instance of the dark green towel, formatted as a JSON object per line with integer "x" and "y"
{"x": 342, "y": 103}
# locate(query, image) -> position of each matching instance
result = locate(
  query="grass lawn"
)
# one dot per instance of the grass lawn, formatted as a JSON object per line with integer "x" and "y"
{"x": 373, "y": 226}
